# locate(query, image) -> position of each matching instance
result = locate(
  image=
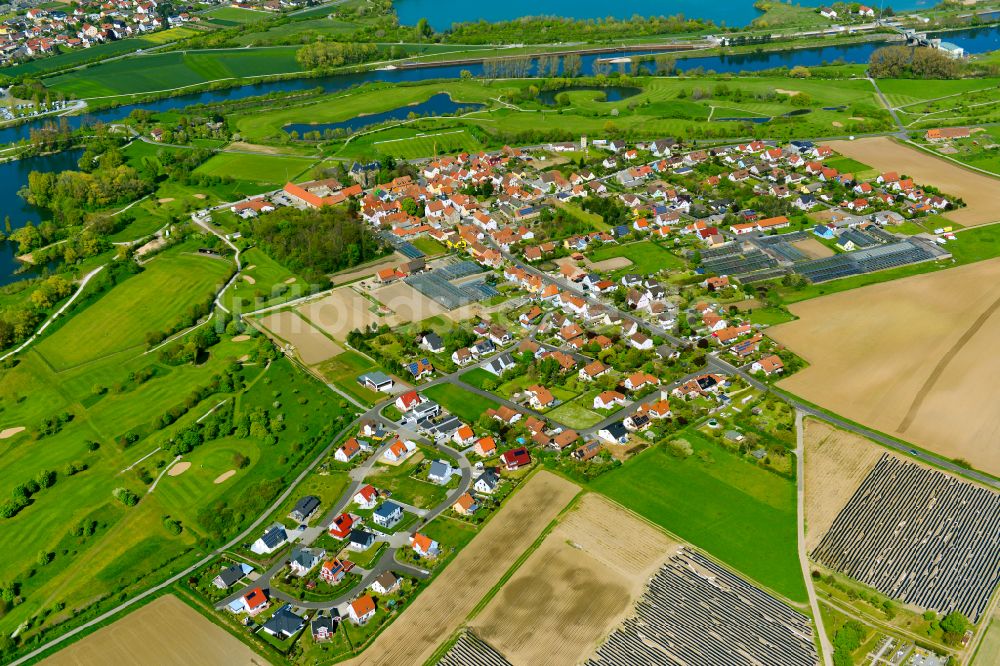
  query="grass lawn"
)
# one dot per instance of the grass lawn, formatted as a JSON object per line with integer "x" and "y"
{"x": 848, "y": 165}
{"x": 130, "y": 548}
{"x": 409, "y": 143}
{"x": 646, "y": 257}
{"x": 770, "y": 316}
{"x": 236, "y": 16}
{"x": 466, "y": 406}
{"x": 741, "y": 514}
{"x": 575, "y": 415}
{"x": 150, "y": 301}
{"x": 477, "y": 377}
{"x": 450, "y": 532}
{"x": 270, "y": 283}
{"x": 405, "y": 488}
{"x": 343, "y": 369}
{"x": 428, "y": 246}
{"x": 267, "y": 169}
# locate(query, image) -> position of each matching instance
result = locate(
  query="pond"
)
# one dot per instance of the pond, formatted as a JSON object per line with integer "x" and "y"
{"x": 14, "y": 176}
{"x": 437, "y": 105}
{"x": 612, "y": 93}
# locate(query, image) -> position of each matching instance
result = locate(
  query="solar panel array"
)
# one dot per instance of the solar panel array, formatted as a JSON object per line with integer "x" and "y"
{"x": 696, "y": 612}
{"x": 878, "y": 258}
{"x": 919, "y": 535}
{"x": 438, "y": 285}
{"x": 409, "y": 250}
{"x": 858, "y": 237}
{"x": 734, "y": 264}
{"x": 470, "y": 650}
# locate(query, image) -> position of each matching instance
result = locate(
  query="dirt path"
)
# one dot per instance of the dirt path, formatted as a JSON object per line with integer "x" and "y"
{"x": 942, "y": 365}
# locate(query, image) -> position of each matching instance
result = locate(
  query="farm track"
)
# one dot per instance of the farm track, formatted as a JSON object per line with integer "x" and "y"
{"x": 942, "y": 365}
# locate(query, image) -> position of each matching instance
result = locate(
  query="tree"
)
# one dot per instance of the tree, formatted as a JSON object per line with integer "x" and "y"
{"x": 424, "y": 29}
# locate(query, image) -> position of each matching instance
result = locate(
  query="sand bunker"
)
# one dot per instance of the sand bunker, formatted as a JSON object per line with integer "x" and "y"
{"x": 791, "y": 93}
{"x": 165, "y": 200}
{"x": 224, "y": 476}
{"x": 179, "y": 469}
{"x": 250, "y": 267}
{"x": 249, "y": 279}
{"x": 241, "y": 338}
{"x": 290, "y": 280}
{"x": 199, "y": 196}
{"x": 10, "y": 432}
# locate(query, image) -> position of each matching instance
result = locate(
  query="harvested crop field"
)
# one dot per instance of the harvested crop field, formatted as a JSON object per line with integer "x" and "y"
{"x": 149, "y": 636}
{"x": 310, "y": 344}
{"x": 980, "y": 193}
{"x": 813, "y": 248}
{"x": 578, "y": 586}
{"x": 836, "y": 461}
{"x": 612, "y": 264}
{"x": 340, "y": 312}
{"x": 914, "y": 358}
{"x": 443, "y": 606}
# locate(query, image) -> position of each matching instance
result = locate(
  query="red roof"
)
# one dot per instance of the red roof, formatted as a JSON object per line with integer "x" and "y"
{"x": 341, "y": 525}
{"x": 255, "y": 598}
{"x": 517, "y": 457}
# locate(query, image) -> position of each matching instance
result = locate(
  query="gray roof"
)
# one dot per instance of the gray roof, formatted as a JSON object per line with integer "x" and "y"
{"x": 439, "y": 469}
{"x": 306, "y": 505}
{"x": 387, "y": 509}
{"x": 273, "y": 536}
{"x": 231, "y": 575}
{"x": 361, "y": 536}
{"x": 284, "y": 622}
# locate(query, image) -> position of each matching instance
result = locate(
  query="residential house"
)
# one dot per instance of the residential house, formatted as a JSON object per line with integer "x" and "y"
{"x": 466, "y": 505}
{"x": 367, "y": 497}
{"x": 341, "y": 526}
{"x": 769, "y": 365}
{"x": 304, "y": 508}
{"x": 386, "y": 583}
{"x": 360, "y": 540}
{"x": 516, "y": 458}
{"x": 487, "y": 482}
{"x": 387, "y": 515}
{"x": 272, "y": 539}
{"x": 609, "y": 399}
{"x": 614, "y": 433}
{"x": 304, "y": 559}
{"x": 361, "y": 609}
{"x": 424, "y": 546}
{"x": 254, "y": 601}
{"x": 231, "y": 575}
{"x": 485, "y": 447}
{"x": 284, "y": 623}
{"x": 398, "y": 450}
{"x": 440, "y": 472}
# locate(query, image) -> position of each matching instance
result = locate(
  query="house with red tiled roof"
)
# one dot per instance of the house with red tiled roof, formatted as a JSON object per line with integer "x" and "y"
{"x": 769, "y": 365}
{"x": 341, "y": 526}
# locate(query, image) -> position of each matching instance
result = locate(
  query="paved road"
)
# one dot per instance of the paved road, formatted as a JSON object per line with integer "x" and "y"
{"x": 902, "y": 447}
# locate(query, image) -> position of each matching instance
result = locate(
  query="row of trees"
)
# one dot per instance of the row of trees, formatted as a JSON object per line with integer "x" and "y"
{"x": 544, "y": 29}
{"x": 326, "y": 55}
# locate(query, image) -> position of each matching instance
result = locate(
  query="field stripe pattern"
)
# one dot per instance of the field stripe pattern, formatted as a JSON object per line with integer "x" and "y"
{"x": 696, "y": 612}
{"x": 919, "y": 535}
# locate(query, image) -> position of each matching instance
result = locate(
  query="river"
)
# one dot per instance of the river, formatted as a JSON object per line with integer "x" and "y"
{"x": 442, "y": 13}
{"x": 14, "y": 175}
{"x": 975, "y": 40}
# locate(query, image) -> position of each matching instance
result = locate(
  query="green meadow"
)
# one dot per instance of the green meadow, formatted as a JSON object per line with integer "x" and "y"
{"x": 263, "y": 169}
{"x": 166, "y": 71}
{"x": 151, "y": 301}
{"x": 740, "y": 513}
